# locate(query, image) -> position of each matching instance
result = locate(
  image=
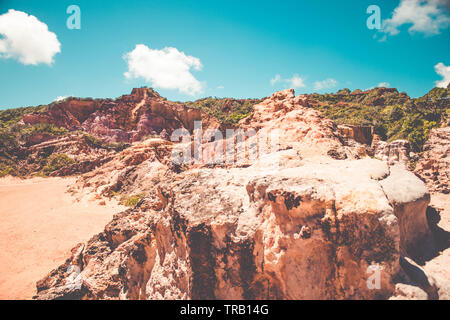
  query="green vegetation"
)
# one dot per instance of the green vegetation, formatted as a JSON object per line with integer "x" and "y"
{"x": 6, "y": 169}
{"x": 26, "y": 131}
{"x": 227, "y": 111}
{"x": 8, "y": 148}
{"x": 393, "y": 115}
{"x": 12, "y": 116}
{"x": 57, "y": 161}
{"x": 8, "y": 144}
{"x": 40, "y": 174}
{"x": 15, "y": 136}
{"x": 131, "y": 201}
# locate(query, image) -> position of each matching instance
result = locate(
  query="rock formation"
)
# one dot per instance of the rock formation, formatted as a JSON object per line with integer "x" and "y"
{"x": 397, "y": 151}
{"x": 434, "y": 167}
{"x": 315, "y": 226}
{"x": 361, "y": 134}
{"x": 85, "y": 155}
{"x": 129, "y": 118}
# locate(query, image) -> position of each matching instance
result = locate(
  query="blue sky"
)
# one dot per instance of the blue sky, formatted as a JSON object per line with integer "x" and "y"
{"x": 241, "y": 46}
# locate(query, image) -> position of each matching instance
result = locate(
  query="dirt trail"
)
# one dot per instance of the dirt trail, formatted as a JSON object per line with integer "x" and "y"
{"x": 39, "y": 224}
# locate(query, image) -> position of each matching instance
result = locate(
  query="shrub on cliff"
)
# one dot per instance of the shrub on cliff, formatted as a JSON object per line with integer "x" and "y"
{"x": 12, "y": 116}
{"x": 57, "y": 161}
{"x": 131, "y": 201}
{"x": 227, "y": 111}
{"x": 8, "y": 144}
{"x": 6, "y": 169}
{"x": 27, "y": 131}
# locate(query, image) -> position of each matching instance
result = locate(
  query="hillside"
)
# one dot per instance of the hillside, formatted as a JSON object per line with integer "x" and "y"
{"x": 393, "y": 115}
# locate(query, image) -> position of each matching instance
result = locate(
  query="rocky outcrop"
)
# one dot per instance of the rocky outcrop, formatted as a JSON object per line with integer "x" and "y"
{"x": 410, "y": 206}
{"x": 434, "y": 167}
{"x": 395, "y": 152}
{"x": 309, "y": 232}
{"x": 361, "y": 134}
{"x": 297, "y": 126}
{"x": 129, "y": 118}
{"x": 85, "y": 155}
{"x": 312, "y": 227}
{"x": 69, "y": 113}
{"x": 98, "y": 128}
{"x": 129, "y": 171}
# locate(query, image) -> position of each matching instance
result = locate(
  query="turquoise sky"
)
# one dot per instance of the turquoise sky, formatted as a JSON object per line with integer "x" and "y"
{"x": 242, "y": 45}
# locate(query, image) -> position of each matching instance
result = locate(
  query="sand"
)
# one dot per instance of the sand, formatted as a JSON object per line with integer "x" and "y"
{"x": 39, "y": 224}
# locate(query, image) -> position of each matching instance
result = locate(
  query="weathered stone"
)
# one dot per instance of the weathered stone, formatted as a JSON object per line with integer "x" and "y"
{"x": 311, "y": 227}
{"x": 434, "y": 167}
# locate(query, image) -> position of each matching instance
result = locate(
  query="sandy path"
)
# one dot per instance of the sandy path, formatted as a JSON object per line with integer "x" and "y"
{"x": 39, "y": 224}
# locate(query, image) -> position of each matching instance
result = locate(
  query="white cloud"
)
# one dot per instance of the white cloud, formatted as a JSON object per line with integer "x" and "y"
{"x": 276, "y": 79}
{"x": 426, "y": 16}
{"x": 25, "y": 38}
{"x": 295, "y": 82}
{"x": 167, "y": 68}
{"x": 220, "y": 87}
{"x": 325, "y": 84}
{"x": 61, "y": 98}
{"x": 444, "y": 71}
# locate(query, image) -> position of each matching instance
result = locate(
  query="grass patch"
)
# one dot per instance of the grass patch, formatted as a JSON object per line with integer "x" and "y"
{"x": 132, "y": 200}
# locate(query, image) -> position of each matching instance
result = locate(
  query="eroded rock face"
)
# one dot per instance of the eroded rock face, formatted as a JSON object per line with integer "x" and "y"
{"x": 76, "y": 146}
{"x": 298, "y": 125}
{"x": 410, "y": 204}
{"x": 395, "y": 152}
{"x": 70, "y": 113}
{"x": 311, "y": 227}
{"x": 131, "y": 171}
{"x": 129, "y": 118}
{"x": 143, "y": 113}
{"x": 361, "y": 134}
{"x": 434, "y": 167}
{"x": 308, "y": 232}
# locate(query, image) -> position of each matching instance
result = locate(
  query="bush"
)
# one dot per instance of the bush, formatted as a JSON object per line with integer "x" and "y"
{"x": 26, "y": 131}
{"x": 12, "y": 116}
{"x": 57, "y": 161}
{"x": 8, "y": 144}
{"x": 6, "y": 169}
{"x": 132, "y": 200}
{"x": 228, "y": 111}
